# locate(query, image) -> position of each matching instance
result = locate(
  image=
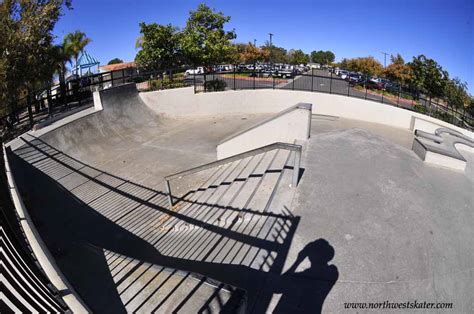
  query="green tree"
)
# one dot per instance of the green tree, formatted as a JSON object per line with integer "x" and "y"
{"x": 27, "y": 53}
{"x": 428, "y": 76}
{"x": 160, "y": 47}
{"x": 470, "y": 107}
{"x": 297, "y": 57}
{"x": 74, "y": 44}
{"x": 204, "y": 40}
{"x": 455, "y": 93}
{"x": 322, "y": 57}
{"x": 115, "y": 61}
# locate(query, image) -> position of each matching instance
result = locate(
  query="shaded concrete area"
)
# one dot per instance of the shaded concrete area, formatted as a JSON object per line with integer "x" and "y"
{"x": 369, "y": 221}
{"x": 115, "y": 240}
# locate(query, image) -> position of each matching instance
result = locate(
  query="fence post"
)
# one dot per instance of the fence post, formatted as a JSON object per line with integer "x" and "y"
{"x": 312, "y": 79}
{"x": 273, "y": 80}
{"x": 123, "y": 76}
{"x": 30, "y": 110}
{"x": 50, "y": 101}
{"x": 293, "y": 85}
{"x": 330, "y": 85}
{"x": 383, "y": 89}
{"x": 194, "y": 82}
{"x": 399, "y": 92}
{"x": 254, "y": 77}
{"x": 235, "y": 69}
{"x": 348, "y": 88}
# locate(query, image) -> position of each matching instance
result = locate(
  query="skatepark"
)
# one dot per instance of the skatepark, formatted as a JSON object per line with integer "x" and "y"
{"x": 292, "y": 200}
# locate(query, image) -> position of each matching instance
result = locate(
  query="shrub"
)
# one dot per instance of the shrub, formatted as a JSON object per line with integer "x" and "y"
{"x": 420, "y": 108}
{"x": 215, "y": 85}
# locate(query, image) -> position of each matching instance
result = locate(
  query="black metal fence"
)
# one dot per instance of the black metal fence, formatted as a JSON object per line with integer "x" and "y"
{"x": 324, "y": 81}
{"x": 37, "y": 106}
{"x": 24, "y": 273}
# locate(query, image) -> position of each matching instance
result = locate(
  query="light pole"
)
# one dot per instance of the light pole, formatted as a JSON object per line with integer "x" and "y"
{"x": 384, "y": 59}
{"x": 271, "y": 47}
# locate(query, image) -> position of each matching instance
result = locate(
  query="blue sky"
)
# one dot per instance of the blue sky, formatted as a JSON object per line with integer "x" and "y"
{"x": 442, "y": 30}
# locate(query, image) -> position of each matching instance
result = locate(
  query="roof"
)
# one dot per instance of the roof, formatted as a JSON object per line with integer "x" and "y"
{"x": 118, "y": 66}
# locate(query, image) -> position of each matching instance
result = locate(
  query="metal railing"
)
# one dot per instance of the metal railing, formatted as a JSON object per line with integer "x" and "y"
{"x": 323, "y": 81}
{"x": 39, "y": 105}
{"x": 278, "y": 145}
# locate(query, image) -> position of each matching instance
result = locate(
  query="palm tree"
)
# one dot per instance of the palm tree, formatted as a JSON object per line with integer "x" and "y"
{"x": 74, "y": 43}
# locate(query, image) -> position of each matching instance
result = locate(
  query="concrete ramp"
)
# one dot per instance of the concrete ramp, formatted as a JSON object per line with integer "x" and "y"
{"x": 123, "y": 107}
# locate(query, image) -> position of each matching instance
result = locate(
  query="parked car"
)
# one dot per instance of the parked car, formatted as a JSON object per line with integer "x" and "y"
{"x": 354, "y": 78}
{"x": 343, "y": 74}
{"x": 198, "y": 70}
{"x": 373, "y": 84}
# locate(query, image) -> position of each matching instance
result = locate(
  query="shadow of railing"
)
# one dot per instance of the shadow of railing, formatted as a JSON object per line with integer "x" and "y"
{"x": 107, "y": 232}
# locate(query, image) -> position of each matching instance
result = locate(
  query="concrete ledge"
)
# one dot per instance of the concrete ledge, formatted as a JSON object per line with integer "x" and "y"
{"x": 439, "y": 147}
{"x": 40, "y": 249}
{"x": 437, "y": 159}
{"x": 291, "y": 124}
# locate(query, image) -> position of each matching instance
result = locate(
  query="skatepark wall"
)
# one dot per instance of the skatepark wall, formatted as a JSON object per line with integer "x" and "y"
{"x": 183, "y": 102}
{"x": 291, "y": 124}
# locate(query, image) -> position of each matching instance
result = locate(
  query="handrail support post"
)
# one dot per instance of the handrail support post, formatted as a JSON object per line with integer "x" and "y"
{"x": 170, "y": 197}
{"x": 296, "y": 168}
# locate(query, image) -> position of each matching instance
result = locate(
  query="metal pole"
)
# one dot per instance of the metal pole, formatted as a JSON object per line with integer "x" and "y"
{"x": 312, "y": 79}
{"x": 273, "y": 78}
{"x": 254, "y": 76}
{"x": 50, "y": 101}
{"x": 170, "y": 197}
{"x": 330, "y": 85}
{"x": 293, "y": 87}
{"x": 194, "y": 81}
{"x": 296, "y": 168}
{"x": 399, "y": 92}
{"x": 30, "y": 110}
{"x": 235, "y": 67}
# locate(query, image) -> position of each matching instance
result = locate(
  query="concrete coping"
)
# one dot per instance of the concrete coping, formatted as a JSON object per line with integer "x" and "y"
{"x": 301, "y": 105}
{"x": 40, "y": 250}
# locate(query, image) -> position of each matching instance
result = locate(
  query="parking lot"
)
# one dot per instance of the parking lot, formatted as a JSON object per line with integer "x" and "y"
{"x": 313, "y": 80}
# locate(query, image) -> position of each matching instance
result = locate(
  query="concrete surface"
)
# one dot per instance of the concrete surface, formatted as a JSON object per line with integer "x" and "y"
{"x": 370, "y": 221}
{"x": 401, "y": 229}
{"x": 285, "y": 126}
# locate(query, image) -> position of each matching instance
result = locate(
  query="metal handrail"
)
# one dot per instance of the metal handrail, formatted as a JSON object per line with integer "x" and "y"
{"x": 278, "y": 145}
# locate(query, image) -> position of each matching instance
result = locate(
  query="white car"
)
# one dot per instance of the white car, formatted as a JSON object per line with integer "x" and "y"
{"x": 198, "y": 70}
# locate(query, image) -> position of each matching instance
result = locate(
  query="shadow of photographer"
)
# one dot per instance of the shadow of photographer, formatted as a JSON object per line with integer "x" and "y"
{"x": 305, "y": 291}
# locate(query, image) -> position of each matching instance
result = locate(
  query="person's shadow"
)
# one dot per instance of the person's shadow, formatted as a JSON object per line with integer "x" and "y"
{"x": 305, "y": 291}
